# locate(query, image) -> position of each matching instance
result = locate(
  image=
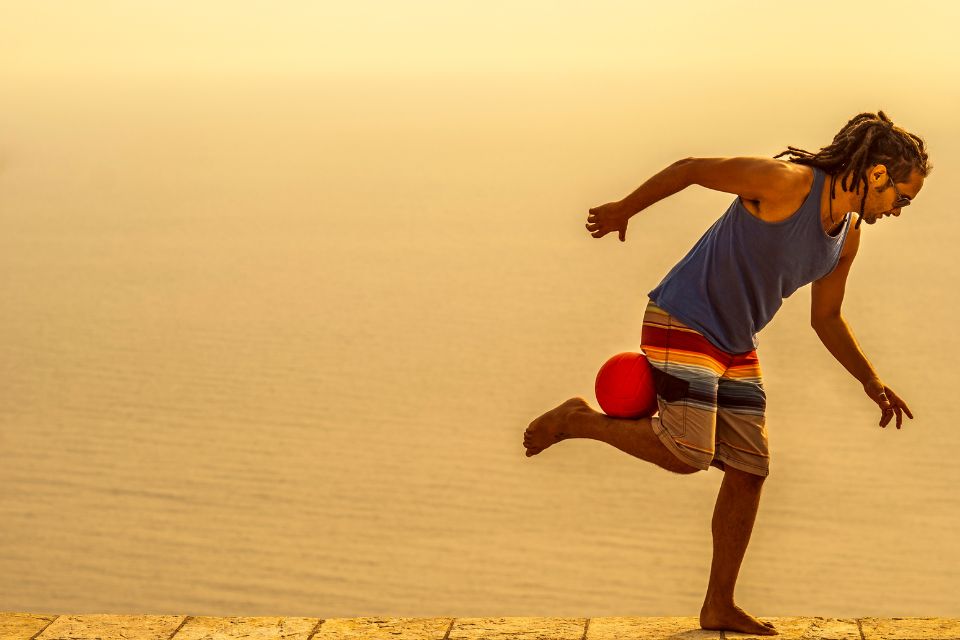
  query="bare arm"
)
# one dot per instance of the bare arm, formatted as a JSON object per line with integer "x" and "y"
{"x": 662, "y": 184}
{"x": 836, "y": 336}
{"x": 838, "y": 339}
{"x": 826, "y": 301}
{"x": 752, "y": 178}
{"x": 613, "y": 216}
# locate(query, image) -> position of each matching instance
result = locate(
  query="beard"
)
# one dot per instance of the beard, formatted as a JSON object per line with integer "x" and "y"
{"x": 870, "y": 219}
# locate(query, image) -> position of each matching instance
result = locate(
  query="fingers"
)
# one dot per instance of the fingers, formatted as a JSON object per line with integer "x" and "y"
{"x": 898, "y": 405}
{"x": 895, "y": 407}
{"x": 886, "y": 414}
{"x": 597, "y": 222}
{"x": 886, "y": 417}
{"x": 598, "y": 230}
{"x": 593, "y": 225}
{"x": 898, "y": 401}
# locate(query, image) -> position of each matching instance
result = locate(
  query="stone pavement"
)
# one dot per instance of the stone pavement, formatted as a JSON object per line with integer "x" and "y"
{"x": 35, "y": 626}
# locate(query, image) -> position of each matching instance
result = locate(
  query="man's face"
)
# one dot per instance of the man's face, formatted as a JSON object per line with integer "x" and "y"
{"x": 882, "y": 201}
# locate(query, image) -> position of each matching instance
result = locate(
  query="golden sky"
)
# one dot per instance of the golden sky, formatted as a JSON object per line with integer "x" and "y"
{"x": 839, "y": 39}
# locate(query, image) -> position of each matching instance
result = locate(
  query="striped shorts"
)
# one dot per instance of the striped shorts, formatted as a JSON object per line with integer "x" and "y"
{"x": 711, "y": 403}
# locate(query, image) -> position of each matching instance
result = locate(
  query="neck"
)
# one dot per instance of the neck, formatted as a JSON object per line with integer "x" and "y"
{"x": 842, "y": 201}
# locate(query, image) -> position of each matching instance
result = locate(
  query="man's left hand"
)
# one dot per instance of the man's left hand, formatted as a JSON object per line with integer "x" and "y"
{"x": 888, "y": 401}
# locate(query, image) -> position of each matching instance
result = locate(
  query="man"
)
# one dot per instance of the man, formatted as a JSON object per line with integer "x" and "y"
{"x": 785, "y": 229}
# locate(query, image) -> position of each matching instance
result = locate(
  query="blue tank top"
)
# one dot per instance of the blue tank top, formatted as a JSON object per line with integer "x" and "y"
{"x": 733, "y": 281}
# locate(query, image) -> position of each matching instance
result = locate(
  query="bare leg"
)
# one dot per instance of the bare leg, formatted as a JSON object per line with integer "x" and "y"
{"x": 733, "y": 518}
{"x": 575, "y": 419}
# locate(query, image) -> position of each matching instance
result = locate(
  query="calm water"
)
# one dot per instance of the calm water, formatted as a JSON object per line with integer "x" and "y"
{"x": 270, "y": 349}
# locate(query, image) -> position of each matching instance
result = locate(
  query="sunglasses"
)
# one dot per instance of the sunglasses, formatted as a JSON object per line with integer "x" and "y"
{"x": 902, "y": 200}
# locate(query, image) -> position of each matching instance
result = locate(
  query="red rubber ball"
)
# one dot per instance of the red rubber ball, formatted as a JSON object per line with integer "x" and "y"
{"x": 625, "y": 387}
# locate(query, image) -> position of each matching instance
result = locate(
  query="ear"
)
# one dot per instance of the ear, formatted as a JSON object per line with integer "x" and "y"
{"x": 878, "y": 175}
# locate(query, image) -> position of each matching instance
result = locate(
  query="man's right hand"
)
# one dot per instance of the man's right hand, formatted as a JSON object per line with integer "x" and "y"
{"x": 608, "y": 217}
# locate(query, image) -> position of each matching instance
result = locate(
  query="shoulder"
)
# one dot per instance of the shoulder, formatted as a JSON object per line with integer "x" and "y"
{"x": 792, "y": 188}
{"x": 801, "y": 176}
{"x": 750, "y": 177}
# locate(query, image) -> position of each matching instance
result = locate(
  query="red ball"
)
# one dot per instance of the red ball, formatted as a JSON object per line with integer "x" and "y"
{"x": 625, "y": 387}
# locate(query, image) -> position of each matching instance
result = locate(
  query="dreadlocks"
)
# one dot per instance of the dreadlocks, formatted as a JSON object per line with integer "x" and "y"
{"x": 867, "y": 139}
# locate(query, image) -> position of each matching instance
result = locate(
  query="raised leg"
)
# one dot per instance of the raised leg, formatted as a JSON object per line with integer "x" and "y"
{"x": 733, "y": 518}
{"x": 575, "y": 419}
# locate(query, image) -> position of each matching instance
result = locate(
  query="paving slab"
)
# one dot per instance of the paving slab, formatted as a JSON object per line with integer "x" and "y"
{"x": 911, "y": 628}
{"x": 249, "y": 628}
{"x": 383, "y": 628}
{"x": 111, "y": 627}
{"x": 806, "y": 628}
{"x": 527, "y": 628}
{"x": 661, "y": 628}
{"x": 22, "y": 626}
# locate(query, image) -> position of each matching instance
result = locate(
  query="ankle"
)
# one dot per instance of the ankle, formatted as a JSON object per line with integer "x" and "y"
{"x": 717, "y": 601}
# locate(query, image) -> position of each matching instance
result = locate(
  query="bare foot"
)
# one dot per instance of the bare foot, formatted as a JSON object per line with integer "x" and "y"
{"x": 548, "y": 429}
{"x": 733, "y": 618}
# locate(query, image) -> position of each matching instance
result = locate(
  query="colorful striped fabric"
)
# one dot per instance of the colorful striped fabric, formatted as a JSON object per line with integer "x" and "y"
{"x": 711, "y": 403}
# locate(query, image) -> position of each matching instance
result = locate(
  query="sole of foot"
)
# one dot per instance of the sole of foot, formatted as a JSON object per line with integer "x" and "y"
{"x": 548, "y": 429}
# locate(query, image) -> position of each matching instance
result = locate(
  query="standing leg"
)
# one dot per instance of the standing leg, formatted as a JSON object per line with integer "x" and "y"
{"x": 575, "y": 419}
{"x": 733, "y": 518}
